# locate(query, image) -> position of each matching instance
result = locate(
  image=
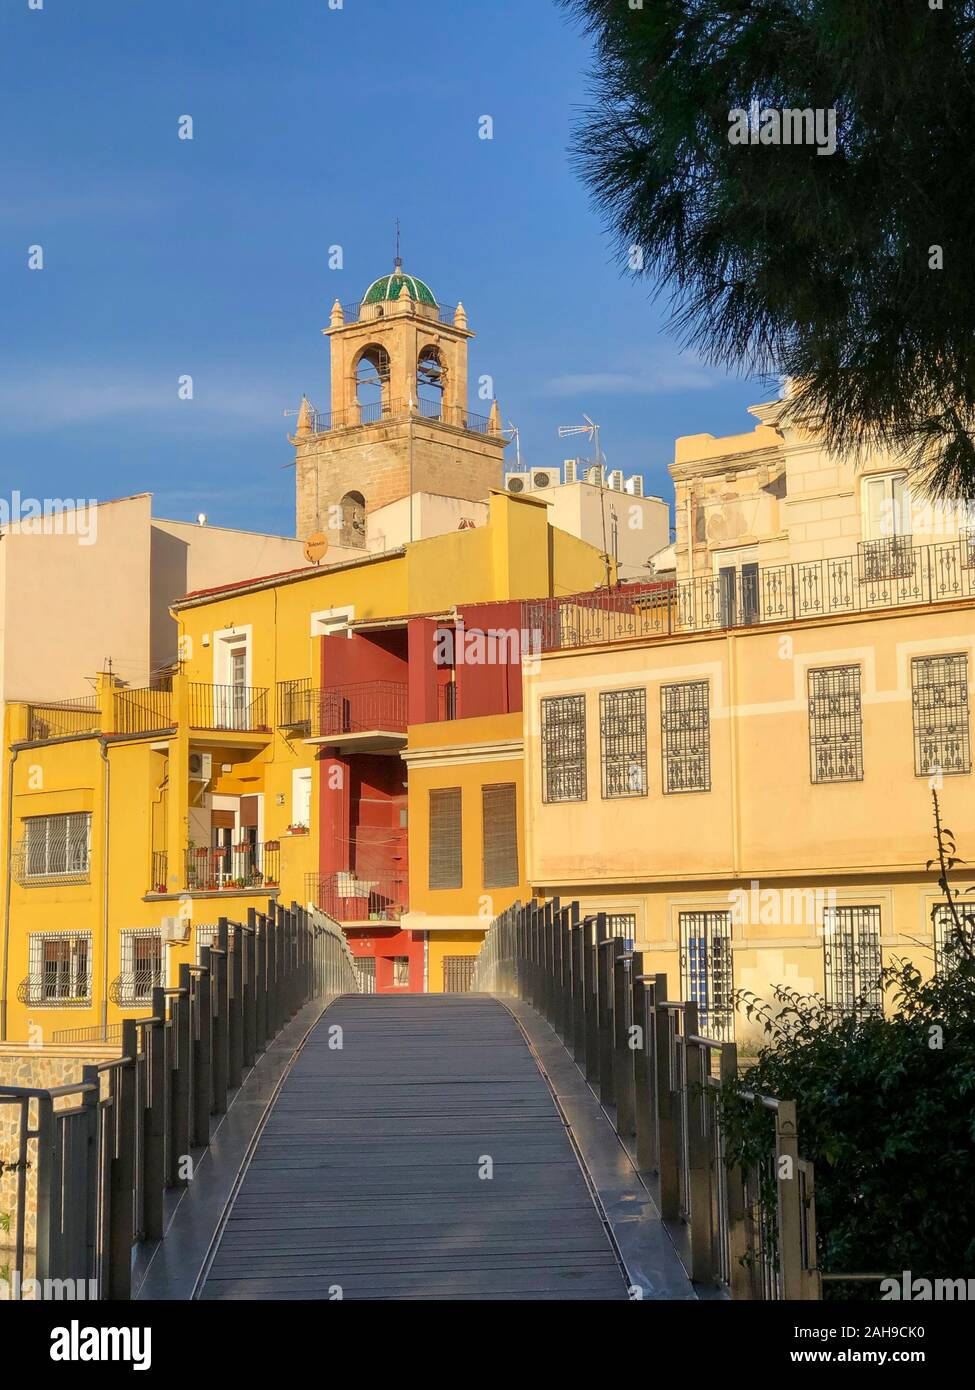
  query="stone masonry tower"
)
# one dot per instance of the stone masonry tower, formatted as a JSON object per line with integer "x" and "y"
{"x": 399, "y": 422}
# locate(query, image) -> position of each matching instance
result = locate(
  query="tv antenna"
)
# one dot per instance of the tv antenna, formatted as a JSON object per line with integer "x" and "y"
{"x": 515, "y": 434}
{"x": 590, "y": 428}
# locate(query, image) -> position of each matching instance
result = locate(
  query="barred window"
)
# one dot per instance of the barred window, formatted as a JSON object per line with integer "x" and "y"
{"x": 948, "y": 947}
{"x": 707, "y": 970}
{"x": 852, "y": 958}
{"x": 564, "y": 748}
{"x": 499, "y": 835}
{"x": 142, "y": 965}
{"x": 60, "y": 969}
{"x": 57, "y": 846}
{"x": 623, "y": 742}
{"x": 685, "y": 736}
{"x": 446, "y": 855}
{"x": 622, "y": 925}
{"x": 939, "y": 692}
{"x": 835, "y": 725}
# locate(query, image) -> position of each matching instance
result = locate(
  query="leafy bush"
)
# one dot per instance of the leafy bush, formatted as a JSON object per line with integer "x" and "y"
{"x": 886, "y": 1111}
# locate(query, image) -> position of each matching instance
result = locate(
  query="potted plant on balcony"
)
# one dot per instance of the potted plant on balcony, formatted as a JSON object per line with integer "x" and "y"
{"x": 297, "y": 830}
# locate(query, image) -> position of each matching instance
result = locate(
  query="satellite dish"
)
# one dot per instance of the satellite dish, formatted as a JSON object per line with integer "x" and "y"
{"x": 315, "y": 547}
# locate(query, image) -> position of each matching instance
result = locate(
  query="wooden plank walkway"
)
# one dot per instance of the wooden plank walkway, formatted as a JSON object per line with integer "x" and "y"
{"x": 367, "y": 1175}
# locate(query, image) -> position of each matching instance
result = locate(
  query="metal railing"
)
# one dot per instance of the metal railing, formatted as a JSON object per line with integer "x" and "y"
{"x": 363, "y": 895}
{"x": 145, "y": 709}
{"x": 292, "y": 703}
{"x": 207, "y": 869}
{"x": 238, "y": 708}
{"x": 101, "y": 1165}
{"x": 159, "y": 882}
{"x": 357, "y": 312}
{"x": 61, "y": 718}
{"x": 375, "y": 412}
{"x": 134, "y": 987}
{"x": 643, "y": 1054}
{"x": 881, "y": 575}
{"x": 96, "y": 1033}
{"x": 360, "y": 707}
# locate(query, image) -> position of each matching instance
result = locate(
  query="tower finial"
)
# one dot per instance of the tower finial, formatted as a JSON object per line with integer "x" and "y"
{"x": 399, "y": 258}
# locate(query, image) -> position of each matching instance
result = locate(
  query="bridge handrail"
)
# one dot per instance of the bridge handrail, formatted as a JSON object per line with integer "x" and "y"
{"x": 100, "y": 1168}
{"x": 646, "y": 1054}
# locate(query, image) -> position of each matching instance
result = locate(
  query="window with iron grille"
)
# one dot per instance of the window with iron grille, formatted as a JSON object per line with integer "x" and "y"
{"x": 685, "y": 736}
{"x": 835, "y": 725}
{"x": 942, "y": 739}
{"x": 622, "y": 925}
{"x": 853, "y": 963}
{"x": 142, "y": 964}
{"x": 707, "y": 970}
{"x": 948, "y": 948}
{"x": 564, "y": 748}
{"x": 57, "y": 846}
{"x": 401, "y": 971}
{"x": 446, "y": 858}
{"x": 60, "y": 968}
{"x": 499, "y": 822}
{"x": 623, "y": 742}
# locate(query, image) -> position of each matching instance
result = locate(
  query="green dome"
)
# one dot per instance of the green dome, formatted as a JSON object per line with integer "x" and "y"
{"x": 389, "y": 286}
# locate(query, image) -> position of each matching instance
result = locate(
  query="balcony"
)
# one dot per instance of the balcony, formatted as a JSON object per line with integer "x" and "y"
{"x": 141, "y": 710}
{"x": 365, "y": 716}
{"x": 234, "y": 708}
{"x": 133, "y": 988}
{"x": 365, "y": 895}
{"x": 378, "y": 412}
{"x": 242, "y": 867}
{"x": 894, "y": 575}
{"x": 62, "y": 718}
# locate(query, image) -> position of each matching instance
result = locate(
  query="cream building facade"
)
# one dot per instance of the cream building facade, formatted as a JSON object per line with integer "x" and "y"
{"x": 739, "y": 769}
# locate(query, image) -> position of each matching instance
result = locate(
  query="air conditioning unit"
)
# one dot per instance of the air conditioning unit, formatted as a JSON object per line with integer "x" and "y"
{"x": 201, "y": 767}
{"x": 616, "y": 480}
{"x": 595, "y": 475}
{"x": 518, "y": 482}
{"x": 570, "y": 470}
{"x": 175, "y": 929}
{"x": 634, "y": 485}
{"x": 545, "y": 477}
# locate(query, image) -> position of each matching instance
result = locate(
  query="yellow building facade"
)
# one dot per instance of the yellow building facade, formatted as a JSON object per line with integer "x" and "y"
{"x": 132, "y": 828}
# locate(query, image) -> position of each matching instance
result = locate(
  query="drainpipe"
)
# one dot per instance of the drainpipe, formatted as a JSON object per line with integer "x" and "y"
{"x": 6, "y": 905}
{"x": 103, "y": 745}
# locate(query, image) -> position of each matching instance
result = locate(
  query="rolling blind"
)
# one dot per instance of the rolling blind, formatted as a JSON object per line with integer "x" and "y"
{"x": 500, "y": 835}
{"x": 446, "y": 862}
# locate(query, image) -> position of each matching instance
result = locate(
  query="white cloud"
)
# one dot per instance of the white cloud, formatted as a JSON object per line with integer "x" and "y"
{"x": 659, "y": 374}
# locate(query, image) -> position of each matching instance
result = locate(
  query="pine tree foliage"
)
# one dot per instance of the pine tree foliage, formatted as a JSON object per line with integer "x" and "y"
{"x": 852, "y": 273}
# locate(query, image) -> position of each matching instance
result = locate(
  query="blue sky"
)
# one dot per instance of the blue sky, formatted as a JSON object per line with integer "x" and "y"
{"x": 313, "y": 127}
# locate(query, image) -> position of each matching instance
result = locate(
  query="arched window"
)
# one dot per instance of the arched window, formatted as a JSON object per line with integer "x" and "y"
{"x": 372, "y": 382}
{"x": 353, "y": 527}
{"x": 431, "y": 381}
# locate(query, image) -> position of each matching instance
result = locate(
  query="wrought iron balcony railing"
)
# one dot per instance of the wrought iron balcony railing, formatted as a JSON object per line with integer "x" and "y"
{"x": 361, "y": 707}
{"x": 375, "y": 412}
{"x": 293, "y": 703}
{"x": 143, "y": 710}
{"x": 233, "y": 866}
{"x": 238, "y": 708}
{"x": 61, "y": 718}
{"x": 56, "y": 990}
{"x": 357, "y": 312}
{"x": 869, "y": 581}
{"x": 134, "y": 988}
{"x": 361, "y": 895}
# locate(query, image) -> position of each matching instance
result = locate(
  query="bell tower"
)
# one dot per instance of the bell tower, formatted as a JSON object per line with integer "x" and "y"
{"x": 399, "y": 422}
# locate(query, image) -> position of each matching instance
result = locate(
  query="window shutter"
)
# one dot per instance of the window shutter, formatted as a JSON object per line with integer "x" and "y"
{"x": 499, "y": 808}
{"x": 446, "y": 861}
